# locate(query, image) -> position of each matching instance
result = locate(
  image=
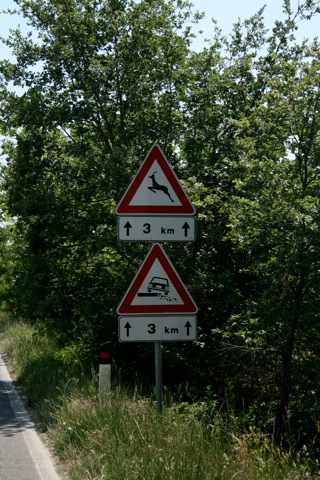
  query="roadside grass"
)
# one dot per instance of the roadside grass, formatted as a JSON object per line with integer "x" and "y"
{"x": 45, "y": 374}
{"x": 124, "y": 438}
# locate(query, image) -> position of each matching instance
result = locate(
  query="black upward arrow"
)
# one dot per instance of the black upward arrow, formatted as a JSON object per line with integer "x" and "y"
{"x": 128, "y": 226}
{"x": 188, "y": 326}
{"x": 186, "y": 228}
{"x": 127, "y": 327}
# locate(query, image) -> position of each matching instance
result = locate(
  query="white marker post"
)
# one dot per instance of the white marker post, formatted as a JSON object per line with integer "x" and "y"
{"x": 105, "y": 371}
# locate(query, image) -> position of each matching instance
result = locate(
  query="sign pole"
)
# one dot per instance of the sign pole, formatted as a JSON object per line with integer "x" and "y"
{"x": 158, "y": 372}
{"x": 156, "y": 307}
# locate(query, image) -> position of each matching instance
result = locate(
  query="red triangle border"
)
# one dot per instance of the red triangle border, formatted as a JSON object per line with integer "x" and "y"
{"x": 186, "y": 207}
{"x": 126, "y": 307}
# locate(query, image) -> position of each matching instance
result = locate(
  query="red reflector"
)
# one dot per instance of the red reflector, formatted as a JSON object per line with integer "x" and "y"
{"x": 105, "y": 355}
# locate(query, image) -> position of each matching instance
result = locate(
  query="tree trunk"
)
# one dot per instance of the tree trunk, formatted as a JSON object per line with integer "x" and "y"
{"x": 282, "y": 421}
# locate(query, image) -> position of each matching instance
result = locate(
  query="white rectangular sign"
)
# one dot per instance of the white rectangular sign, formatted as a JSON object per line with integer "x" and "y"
{"x": 156, "y": 228}
{"x": 166, "y": 328}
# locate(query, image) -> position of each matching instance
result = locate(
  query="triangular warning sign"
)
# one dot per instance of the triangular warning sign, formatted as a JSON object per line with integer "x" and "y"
{"x": 157, "y": 288}
{"x": 155, "y": 190}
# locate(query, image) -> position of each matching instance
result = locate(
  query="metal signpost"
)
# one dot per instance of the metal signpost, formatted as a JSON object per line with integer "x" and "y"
{"x": 157, "y": 307}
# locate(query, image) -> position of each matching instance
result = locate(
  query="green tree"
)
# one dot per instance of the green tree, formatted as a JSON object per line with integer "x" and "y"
{"x": 101, "y": 82}
{"x": 275, "y": 217}
{"x": 252, "y": 150}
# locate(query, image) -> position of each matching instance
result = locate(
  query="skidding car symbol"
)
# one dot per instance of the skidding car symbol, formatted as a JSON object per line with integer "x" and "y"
{"x": 159, "y": 284}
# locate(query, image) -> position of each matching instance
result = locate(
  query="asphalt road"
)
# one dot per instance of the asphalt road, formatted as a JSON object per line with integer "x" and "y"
{"x": 23, "y": 455}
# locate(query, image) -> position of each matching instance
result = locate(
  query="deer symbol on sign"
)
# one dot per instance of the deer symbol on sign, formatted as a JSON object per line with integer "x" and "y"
{"x": 156, "y": 186}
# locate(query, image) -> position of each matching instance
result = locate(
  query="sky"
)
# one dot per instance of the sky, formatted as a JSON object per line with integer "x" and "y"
{"x": 225, "y": 12}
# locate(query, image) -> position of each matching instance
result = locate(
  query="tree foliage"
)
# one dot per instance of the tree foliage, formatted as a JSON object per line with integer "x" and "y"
{"x": 239, "y": 121}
